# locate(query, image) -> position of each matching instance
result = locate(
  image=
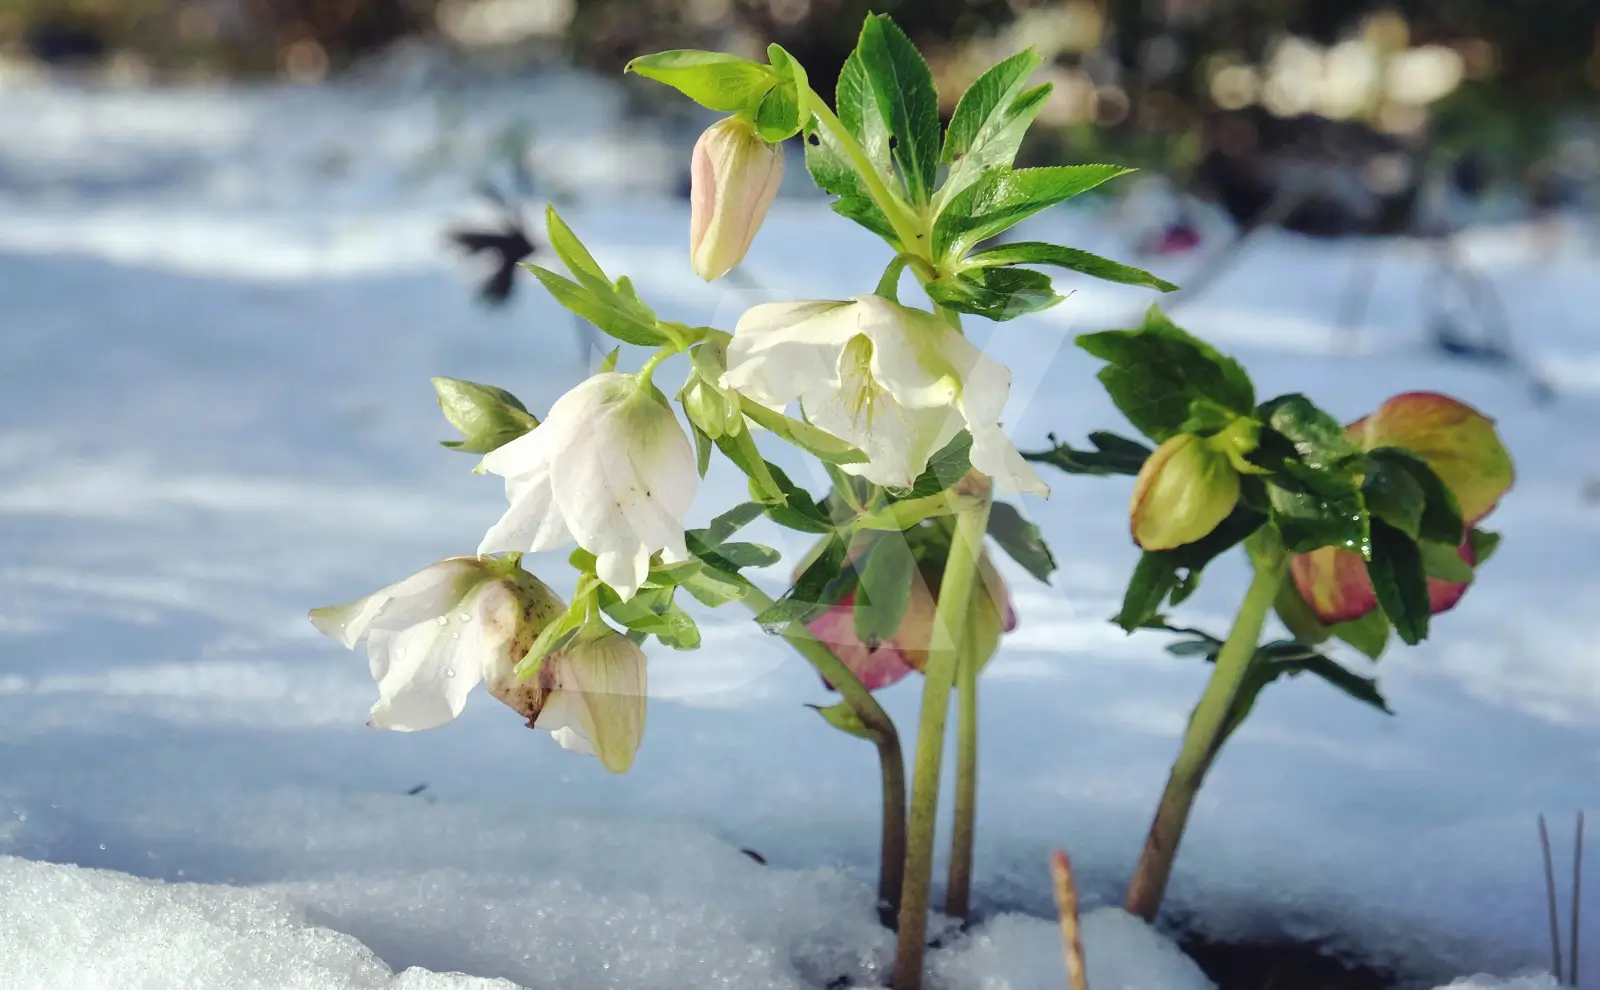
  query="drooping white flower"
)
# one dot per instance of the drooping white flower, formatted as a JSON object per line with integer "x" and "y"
{"x": 896, "y": 382}
{"x": 609, "y": 468}
{"x": 733, "y": 177}
{"x": 432, "y": 637}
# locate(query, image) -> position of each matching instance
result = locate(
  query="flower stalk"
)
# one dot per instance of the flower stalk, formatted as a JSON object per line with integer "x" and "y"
{"x": 951, "y": 639}
{"x": 885, "y": 737}
{"x": 1208, "y": 729}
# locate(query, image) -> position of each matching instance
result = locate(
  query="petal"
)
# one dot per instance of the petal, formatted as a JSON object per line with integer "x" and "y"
{"x": 908, "y": 352}
{"x": 836, "y": 629}
{"x": 781, "y": 350}
{"x": 1334, "y": 583}
{"x": 997, "y": 457}
{"x": 561, "y": 717}
{"x": 897, "y": 441}
{"x": 533, "y": 522}
{"x": 425, "y": 672}
{"x": 430, "y": 592}
{"x": 623, "y": 570}
{"x": 608, "y": 675}
{"x": 1457, "y": 441}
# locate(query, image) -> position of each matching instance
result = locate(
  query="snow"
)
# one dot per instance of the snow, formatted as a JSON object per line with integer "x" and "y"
{"x": 216, "y": 415}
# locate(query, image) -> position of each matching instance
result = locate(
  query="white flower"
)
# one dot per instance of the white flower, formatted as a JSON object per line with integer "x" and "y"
{"x": 896, "y": 382}
{"x": 433, "y": 636}
{"x": 610, "y": 468}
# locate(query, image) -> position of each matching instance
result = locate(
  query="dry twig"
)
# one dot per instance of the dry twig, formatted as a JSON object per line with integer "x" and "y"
{"x": 1067, "y": 908}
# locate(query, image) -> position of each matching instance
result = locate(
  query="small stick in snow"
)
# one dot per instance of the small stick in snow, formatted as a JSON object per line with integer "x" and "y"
{"x": 1577, "y": 899}
{"x": 1550, "y": 896}
{"x": 1067, "y": 907}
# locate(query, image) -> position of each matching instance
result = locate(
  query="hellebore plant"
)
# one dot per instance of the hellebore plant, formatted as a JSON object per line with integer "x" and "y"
{"x": 1350, "y": 531}
{"x": 900, "y": 409}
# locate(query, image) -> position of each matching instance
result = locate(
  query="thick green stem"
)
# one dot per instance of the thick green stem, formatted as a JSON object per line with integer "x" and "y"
{"x": 963, "y": 832}
{"x": 891, "y": 761}
{"x": 894, "y": 208}
{"x": 1208, "y": 728}
{"x": 950, "y": 641}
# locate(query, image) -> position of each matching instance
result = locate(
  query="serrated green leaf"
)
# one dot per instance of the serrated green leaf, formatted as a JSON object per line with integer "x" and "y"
{"x": 1003, "y": 197}
{"x": 859, "y": 113}
{"x": 824, "y": 581}
{"x": 740, "y": 448}
{"x": 904, "y": 90}
{"x": 743, "y": 555}
{"x": 724, "y": 526}
{"x": 1022, "y": 540}
{"x": 799, "y": 510}
{"x": 575, "y": 256}
{"x": 1393, "y": 495}
{"x": 1318, "y": 440}
{"x": 887, "y": 571}
{"x": 610, "y": 314}
{"x": 990, "y": 122}
{"x": 1401, "y": 581}
{"x": 713, "y": 587}
{"x": 1112, "y": 455}
{"x": 702, "y": 449}
{"x": 998, "y": 294}
{"x": 553, "y": 637}
{"x": 715, "y": 80}
{"x": 1040, "y": 253}
{"x": 1154, "y": 374}
{"x": 1310, "y": 520}
{"x": 1440, "y": 517}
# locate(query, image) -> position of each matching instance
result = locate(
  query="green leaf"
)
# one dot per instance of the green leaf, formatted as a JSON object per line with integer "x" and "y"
{"x": 780, "y": 115}
{"x": 824, "y": 581}
{"x": 1317, "y": 438}
{"x": 843, "y": 718}
{"x": 715, "y": 80}
{"x": 724, "y": 526}
{"x": 1309, "y": 520}
{"x": 999, "y": 294}
{"x": 1443, "y": 562}
{"x": 1176, "y": 573}
{"x": 654, "y": 615}
{"x": 883, "y": 593}
{"x": 1155, "y": 373}
{"x": 1040, "y": 253}
{"x": 713, "y": 587}
{"x": 989, "y": 94}
{"x": 1400, "y": 580}
{"x": 1298, "y": 617}
{"x": 908, "y": 100}
{"x": 1289, "y": 659}
{"x": 610, "y": 313}
{"x": 554, "y": 637}
{"x": 1022, "y": 540}
{"x": 859, "y": 113}
{"x": 488, "y": 417}
{"x": 1484, "y": 544}
{"x": 740, "y": 448}
{"x": 990, "y": 122}
{"x": 1112, "y": 455}
{"x": 799, "y": 511}
{"x": 748, "y": 554}
{"x": 575, "y": 256}
{"x": 948, "y": 465}
{"x": 1369, "y": 634}
{"x": 1004, "y": 197}
{"x": 809, "y": 438}
{"x": 702, "y": 449}
{"x": 1439, "y": 518}
{"x": 1394, "y": 496}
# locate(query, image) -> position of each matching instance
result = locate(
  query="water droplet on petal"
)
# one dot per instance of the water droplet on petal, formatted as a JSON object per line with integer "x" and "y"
{"x": 464, "y": 616}
{"x": 449, "y": 672}
{"x": 444, "y": 620}
{"x": 102, "y": 847}
{"x": 455, "y": 635}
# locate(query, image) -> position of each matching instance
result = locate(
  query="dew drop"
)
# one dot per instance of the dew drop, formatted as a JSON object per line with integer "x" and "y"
{"x": 102, "y": 847}
{"x": 464, "y": 616}
{"x": 444, "y": 620}
{"x": 455, "y": 635}
{"x": 22, "y": 816}
{"x": 449, "y": 672}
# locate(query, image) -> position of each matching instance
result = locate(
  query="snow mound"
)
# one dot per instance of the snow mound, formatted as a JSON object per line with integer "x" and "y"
{"x": 68, "y": 928}
{"x": 1017, "y": 952}
{"x": 1541, "y": 981}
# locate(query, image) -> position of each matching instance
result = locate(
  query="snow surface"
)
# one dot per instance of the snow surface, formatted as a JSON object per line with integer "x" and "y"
{"x": 216, "y": 415}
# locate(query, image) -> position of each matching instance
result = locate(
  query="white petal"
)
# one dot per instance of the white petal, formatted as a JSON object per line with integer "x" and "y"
{"x": 430, "y": 592}
{"x": 781, "y": 350}
{"x": 897, "y": 441}
{"x": 609, "y": 675}
{"x": 572, "y": 740}
{"x": 425, "y": 672}
{"x": 623, "y": 570}
{"x": 995, "y": 456}
{"x": 908, "y": 358}
{"x": 532, "y": 523}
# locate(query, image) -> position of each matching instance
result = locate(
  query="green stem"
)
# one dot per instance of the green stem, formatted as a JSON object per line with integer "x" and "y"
{"x": 891, "y": 761}
{"x": 648, "y": 369}
{"x": 905, "y": 224}
{"x": 1208, "y": 729}
{"x": 963, "y": 832}
{"x": 950, "y": 639}
{"x": 889, "y": 283}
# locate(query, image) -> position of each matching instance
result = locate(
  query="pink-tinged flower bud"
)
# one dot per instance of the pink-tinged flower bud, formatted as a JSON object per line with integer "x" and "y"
{"x": 1183, "y": 492}
{"x": 908, "y": 649}
{"x": 733, "y": 178}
